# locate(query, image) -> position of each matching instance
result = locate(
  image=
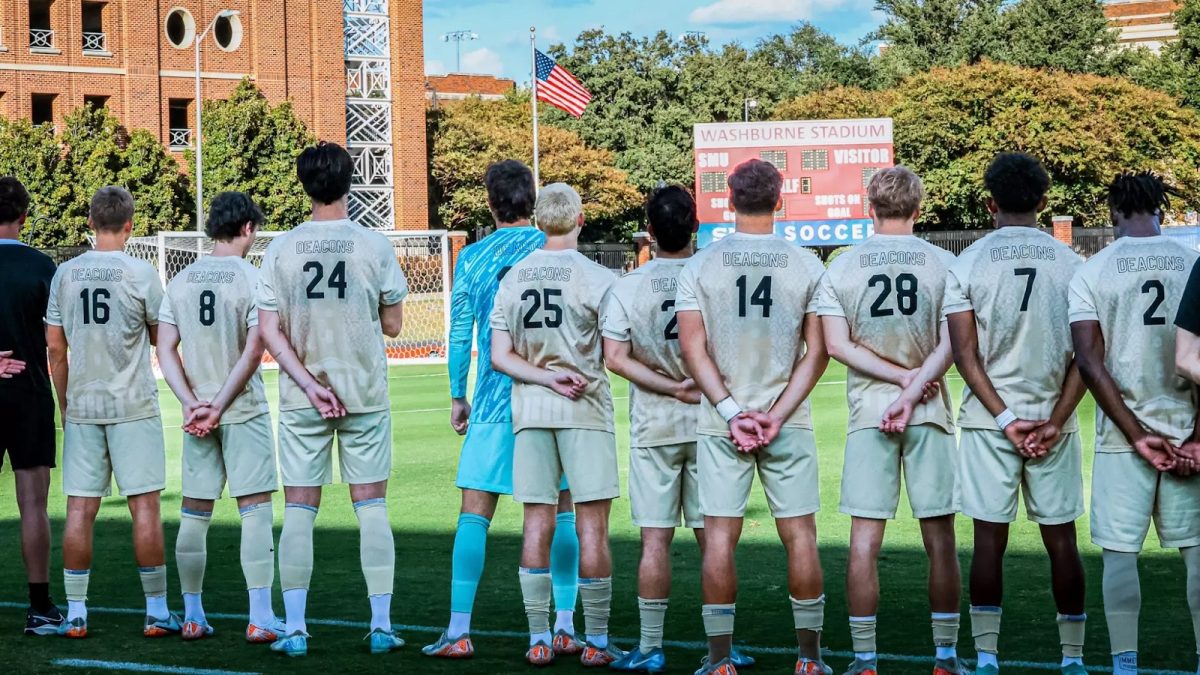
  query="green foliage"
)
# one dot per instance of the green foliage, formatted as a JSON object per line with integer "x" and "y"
{"x": 1177, "y": 70}
{"x": 251, "y": 146}
{"x": 949, "y": 123}
{"x": 1070, "y": 35}
{"x": 472, "y": 134}
{"x": 93, "y": 151}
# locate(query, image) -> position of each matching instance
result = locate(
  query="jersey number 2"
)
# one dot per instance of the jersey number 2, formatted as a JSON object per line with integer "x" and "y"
{"x": 1160, "y": 293}
{"x": 337, "y": 279}
{"x": 672, "y": 330}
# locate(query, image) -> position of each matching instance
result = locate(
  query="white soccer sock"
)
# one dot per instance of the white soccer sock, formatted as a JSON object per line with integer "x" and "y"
{"x": 1072, "y": 660}
{"x": 947, "y": 653}
{"x": 1125, "y": 663}
{"x": 460, "y": 624}
{"x": 381, "y": 612}
{"x": 76, "y": 609}
{"x": 545, "y": 637}
{"x": 986, "y": 659}
{"x": 192, "y": 609}
{"x": 156, "y": 606}
{"x": 262, "y": 614}
{"x": 565, "y": 621}
{"x": 294, "y": 601}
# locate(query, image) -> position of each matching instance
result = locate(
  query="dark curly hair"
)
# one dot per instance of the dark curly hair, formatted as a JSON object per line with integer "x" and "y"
{"x": 1142, "y": 192}
{"x": 1017, "y": 182}
{"x": 229, "y": 212}
{"x": 325, "y": 170}
{"x": 755, "y": 187}
{"x": 510, "y": 190}
{"x": 671, "y": 212}
{"x": 14, "y": 200}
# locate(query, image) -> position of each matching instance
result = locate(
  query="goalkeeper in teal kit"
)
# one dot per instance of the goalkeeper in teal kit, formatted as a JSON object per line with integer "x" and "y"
{"x": 486, "y": 463}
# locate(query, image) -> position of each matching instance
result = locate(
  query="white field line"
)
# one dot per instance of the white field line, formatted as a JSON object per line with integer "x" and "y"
{"x": 678, "y": 644}
{"x": 98, "y": 664}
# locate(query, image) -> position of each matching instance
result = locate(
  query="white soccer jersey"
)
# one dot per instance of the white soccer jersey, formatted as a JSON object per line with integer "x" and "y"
{"x": 327, "y": 280}
{"x": 1133, "y": 289}
{"x": 1016, "y": 280}
{"x": 549, "y": 303}
{"x": 105, "y": 301}
{"x": 889, "y": 289}
{"x": 640, "y": 310}
{"x": 753, "y": 292}
{"x": 211, "y": 302}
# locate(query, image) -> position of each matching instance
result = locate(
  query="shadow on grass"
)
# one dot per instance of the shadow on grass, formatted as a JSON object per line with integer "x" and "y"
{"x": 422, "y": 596}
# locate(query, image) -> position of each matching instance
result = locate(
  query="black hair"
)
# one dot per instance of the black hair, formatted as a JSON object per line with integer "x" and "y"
{"x": 14, "y": 200}
{"x": 510, "y": 190}
{"x": 229, "y": 212}
{"x": 671, "y": 212}
{"x": 1142, "y": 192}
{"x": 755, "y": 187}
{"x": 1017, "y": 182}
{"x": 325, "y": 170}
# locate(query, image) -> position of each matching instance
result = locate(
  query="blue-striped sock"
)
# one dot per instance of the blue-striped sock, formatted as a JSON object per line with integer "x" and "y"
{"x": 470, "y": 551}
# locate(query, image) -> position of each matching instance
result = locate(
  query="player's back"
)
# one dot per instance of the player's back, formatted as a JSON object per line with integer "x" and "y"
{"x": 1133, "y": 288}
{"x": 481, "y": 267}
{"x": 753, "y": 292}
{"x": 550, "y": 305}
{"x": 647, "y": 303}
{"x": 211, "y": 302}
{"x": 1016, "y": 281}
{"x": 327, "y": 280}
{"x": 105, "y": 302}
{"x": 889, "y": 289}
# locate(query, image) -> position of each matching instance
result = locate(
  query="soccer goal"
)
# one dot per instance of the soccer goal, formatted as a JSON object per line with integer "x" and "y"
{"x": 424, "y": 255}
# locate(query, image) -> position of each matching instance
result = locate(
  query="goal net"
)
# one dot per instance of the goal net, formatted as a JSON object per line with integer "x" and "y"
{"x": 424, "y": 255}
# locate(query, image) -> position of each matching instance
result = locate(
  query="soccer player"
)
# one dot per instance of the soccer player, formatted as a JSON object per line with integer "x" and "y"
{"x": 26, "y": 401}
{"x": 209, "y": 307}
{"x": 104, "y": 305}
{"x": 751, "y": 339}
{"x": 884, "y": 296}
{"x": 328, "y": 292}
{"x": 1121, "y": 302}
{"x": 546, "y": 336}
{"x": 1006, "y": 302}
{"x": 485, "y": 465}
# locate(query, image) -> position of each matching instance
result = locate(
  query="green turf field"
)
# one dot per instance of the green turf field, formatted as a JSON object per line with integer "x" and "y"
{"x": 424, "y": 507}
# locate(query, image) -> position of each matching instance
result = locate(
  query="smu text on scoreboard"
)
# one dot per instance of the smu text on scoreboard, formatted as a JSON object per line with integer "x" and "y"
{"x": 826, "y": 166}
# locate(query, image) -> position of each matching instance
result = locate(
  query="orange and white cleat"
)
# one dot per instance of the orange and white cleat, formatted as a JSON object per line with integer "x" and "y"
{"x": 950, "y": 667}
{"x": 156, "y": 628}
{"x": 196, "y": 630}
{"x": 540, "y": 655}
{"x": 75, "y": 629}
{"x": 595, "y": 657}
{"x": 264, "y": 635}
{"x": 723, "y": 667}
{"x": 566, "y": 644}
{"x": 810, "y": 667}
{"x": 445, "y": 648}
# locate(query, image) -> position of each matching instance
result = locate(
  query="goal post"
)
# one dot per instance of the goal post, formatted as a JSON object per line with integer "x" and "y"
{"x": 426, "y": 256}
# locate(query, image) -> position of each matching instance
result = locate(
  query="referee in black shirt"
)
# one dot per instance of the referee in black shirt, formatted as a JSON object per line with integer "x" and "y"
{"x": 26, "y": 402}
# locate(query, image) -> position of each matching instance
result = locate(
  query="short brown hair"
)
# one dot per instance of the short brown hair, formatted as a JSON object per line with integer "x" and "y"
{"x": 896, "y": 192}
{"x": 110, "y": 209}
{"x": 755, "y": 187}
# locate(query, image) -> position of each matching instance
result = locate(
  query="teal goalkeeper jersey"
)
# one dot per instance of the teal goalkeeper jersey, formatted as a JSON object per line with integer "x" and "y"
{"x": 477, "y": 276}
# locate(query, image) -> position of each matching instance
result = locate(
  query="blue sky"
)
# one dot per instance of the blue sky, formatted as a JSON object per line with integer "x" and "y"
{"x": 502, "y": 47}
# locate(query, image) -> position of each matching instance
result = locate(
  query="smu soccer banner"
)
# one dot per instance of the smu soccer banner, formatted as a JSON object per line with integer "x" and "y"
{"x": 826, "y": 166}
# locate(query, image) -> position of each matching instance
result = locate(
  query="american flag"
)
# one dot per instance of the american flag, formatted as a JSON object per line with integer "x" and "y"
{"x": 558, "y": 87}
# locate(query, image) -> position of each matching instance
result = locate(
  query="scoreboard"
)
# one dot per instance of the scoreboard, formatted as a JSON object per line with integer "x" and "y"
{"x": 826, "y": 165}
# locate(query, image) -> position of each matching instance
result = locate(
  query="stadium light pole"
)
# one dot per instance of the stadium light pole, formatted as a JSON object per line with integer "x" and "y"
{"x": 458, "y": 37}
{"x": 748, "y": 105}
{"x": 223, "y": 14}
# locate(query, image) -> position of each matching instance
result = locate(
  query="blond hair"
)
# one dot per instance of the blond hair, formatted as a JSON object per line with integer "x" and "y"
{"x": 558, "y": 209}
{"x": 896, "y": 192}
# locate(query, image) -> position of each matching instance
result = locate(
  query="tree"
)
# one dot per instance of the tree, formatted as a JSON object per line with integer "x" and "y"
{"x": 1070, "y": 35}
{"x": 1177, "y": 70}
{"x": 923, "y": 34}
{"x": 949, "y": 123}
{"x": 471, "y": 134}
{"x": 251, "y": 146}
{"x": 32, "y": 154}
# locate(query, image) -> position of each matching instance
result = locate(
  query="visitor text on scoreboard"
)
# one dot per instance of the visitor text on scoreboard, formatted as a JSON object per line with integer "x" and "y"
{"x": 826, "y": 165}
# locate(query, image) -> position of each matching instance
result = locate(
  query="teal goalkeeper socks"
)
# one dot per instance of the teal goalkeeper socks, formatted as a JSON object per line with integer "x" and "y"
{"x": 564, "y": 562}
{"x": 470, "y": 548}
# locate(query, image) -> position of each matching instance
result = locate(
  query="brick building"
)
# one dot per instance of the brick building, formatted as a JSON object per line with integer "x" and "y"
{"x": 354, "y": 70}
{"x": 1143, "y": 23}
{"x": 457, "y": 86}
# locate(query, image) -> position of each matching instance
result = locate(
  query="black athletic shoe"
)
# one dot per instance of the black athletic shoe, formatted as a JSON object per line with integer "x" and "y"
{"x": 43, "y": 623}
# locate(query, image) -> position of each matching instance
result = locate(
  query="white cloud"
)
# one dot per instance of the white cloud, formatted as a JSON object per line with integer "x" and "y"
{"x": 482, "y": 60}
{"x": 434, "y": 67}
{"x": 752, "y": 11}
{"x": 550, "y": 34}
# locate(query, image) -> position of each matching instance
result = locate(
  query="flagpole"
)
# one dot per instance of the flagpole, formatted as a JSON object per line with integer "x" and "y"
{"x": 534, "y": 99}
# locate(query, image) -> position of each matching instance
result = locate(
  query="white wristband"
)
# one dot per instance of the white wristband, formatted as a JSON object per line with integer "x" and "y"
{"x": 1005, "y": 418}
{"x": 729, "y": 409}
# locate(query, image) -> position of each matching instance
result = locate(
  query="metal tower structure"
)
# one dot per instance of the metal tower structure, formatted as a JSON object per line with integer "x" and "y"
{"x": 369, "y": 112}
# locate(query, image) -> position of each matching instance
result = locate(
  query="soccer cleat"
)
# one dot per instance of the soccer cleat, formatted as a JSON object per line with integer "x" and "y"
{"x": 445, "y": 648}
{"x": 950, "y": 667}
{"x": 295, "y": 644}
{"x": 723, "y": 667}
{"x": 1070, "y": 669}
{"x": 810, "y": 667}
{"x": 740, "y": 660}
{"x": 637, "y": 661}
{"x": 860, "y": 667}
{"x": 383, "y": 641}
{"x": 269, "y": 633}
{"x": 195, "y": 630}
{"x": 75, "y": 628}
{"x": 43, "y": 623}
{"x": 565, "y": 644}
{"x": 540, "y": 654}
{"x": 156, "y": 628}
{"x": 595, "y": 657}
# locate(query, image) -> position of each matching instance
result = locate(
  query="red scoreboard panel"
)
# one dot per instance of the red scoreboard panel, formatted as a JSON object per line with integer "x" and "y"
{"x": 826, "y": 165}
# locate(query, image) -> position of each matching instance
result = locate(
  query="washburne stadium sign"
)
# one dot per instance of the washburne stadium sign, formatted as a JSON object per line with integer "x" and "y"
{"x": 826, "y": 165}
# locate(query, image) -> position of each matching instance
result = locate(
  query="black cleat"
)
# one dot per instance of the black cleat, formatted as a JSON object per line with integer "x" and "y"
{"x": 43, "y": 623}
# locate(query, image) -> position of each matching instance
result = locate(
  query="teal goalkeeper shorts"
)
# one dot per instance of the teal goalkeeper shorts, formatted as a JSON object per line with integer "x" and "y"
{"x": 486, "y": 460}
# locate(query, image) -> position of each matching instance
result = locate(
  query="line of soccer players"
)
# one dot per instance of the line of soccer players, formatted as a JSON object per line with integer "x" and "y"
{"x": 722, "y": 349}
